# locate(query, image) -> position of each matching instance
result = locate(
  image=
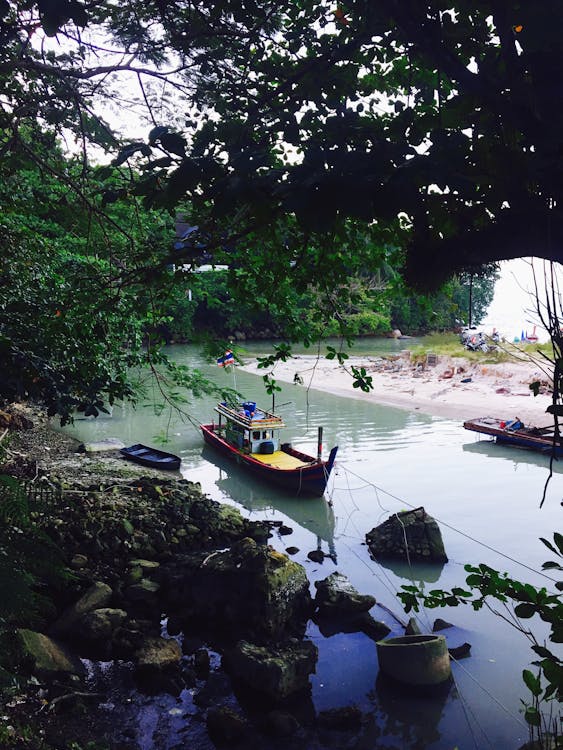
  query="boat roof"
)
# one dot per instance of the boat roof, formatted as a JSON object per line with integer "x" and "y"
{"x": 261, "y": 420}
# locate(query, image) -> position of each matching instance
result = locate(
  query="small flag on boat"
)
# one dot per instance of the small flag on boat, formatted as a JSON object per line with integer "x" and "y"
{"x": 227, "y": 359}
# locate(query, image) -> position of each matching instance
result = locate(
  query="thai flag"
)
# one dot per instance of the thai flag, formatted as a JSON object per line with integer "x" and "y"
{"x": 227, "y": 359}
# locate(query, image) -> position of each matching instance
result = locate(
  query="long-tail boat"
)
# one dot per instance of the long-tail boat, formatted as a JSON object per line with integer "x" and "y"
{"x": 514, "y": 432}
{"x": 251, "y": 436}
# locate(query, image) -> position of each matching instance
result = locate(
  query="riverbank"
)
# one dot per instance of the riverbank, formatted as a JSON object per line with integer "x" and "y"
{"x": 451, "y": 387}
{"x": 143, "y": 597}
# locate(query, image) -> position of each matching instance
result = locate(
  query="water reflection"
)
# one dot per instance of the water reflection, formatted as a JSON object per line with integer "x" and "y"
{"x": 518, "y": 456}
{"x": 314, "y": 514}
{"x": 485, "y": 497}
{"x": 411, "y": 718}
{"x": 429, "y": 572}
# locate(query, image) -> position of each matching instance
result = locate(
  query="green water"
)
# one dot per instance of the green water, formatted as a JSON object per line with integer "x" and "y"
{"x": 485, "y": 498}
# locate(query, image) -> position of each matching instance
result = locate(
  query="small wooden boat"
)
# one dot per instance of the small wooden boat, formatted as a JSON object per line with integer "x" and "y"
{"x": 250, "y": 436}
{"x": 152, "y": 457}
{"x": 514, "y": 432}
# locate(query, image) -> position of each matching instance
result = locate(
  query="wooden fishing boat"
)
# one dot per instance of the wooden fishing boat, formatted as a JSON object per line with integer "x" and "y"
{"x": 250, "y": 436}
{"x": 152, "y": 457}
{"x": 514, "y": 432}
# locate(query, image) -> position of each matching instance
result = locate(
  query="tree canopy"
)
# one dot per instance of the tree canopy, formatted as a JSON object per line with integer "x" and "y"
{"x": 306, "y": 144}
{"x": 430, "y": 123}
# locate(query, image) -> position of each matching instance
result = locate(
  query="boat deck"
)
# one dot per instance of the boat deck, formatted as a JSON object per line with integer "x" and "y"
{"x": 541, "y": 439}
{"x": 498, "y": 427}
{"x": 261, "y": 420}
{"x": 280, "y": 460}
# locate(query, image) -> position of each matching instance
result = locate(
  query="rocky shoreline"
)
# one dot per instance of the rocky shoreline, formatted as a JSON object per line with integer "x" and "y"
{"x": 181, "y": 591}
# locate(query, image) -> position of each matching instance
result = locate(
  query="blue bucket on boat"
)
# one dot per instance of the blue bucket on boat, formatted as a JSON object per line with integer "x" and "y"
{"x": 249, "y": 406}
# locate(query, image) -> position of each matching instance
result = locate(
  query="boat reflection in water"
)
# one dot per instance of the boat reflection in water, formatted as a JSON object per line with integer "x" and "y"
{"x": 313, "y": 514}
{"x": 490, "y": 448}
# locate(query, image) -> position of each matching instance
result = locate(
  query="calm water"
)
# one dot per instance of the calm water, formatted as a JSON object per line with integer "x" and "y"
{"x": 485, "y": 498}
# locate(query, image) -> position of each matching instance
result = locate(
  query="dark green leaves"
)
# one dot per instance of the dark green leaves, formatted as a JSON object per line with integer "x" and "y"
{"x": 172, "y": 142}
{"x": 558, "y": 540}
{"x": 282, "y": 352}
{"x": 270, "y": 384}
{"x": 362, "y": 380}
{"x": 130, "y": 150}
{"x": 55, "y": 13}
{"x": 525, "y": 610}
{"x": 332, "y": 354}
{"x": 535, "y": 387}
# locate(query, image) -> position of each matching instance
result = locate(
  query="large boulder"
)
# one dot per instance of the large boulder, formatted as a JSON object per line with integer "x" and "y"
{"x": 249, "y": 591}
{"x": 97, "y": 596}
{"x": 157, "y": 664}
{"x": 221, "y": 524}
{"x": 225, "y": 726}
{"x": 157, "y": 654}
{"x": 412, "y": 535}
{"x": 276, "y": 671}
{"x": 46, "y": 657}
{"x": 336, "y": 594}
{"x": 95, "y": 631}
{"x": 340, "y": 608}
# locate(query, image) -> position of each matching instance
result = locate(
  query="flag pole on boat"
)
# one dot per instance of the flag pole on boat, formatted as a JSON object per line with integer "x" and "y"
{"x": 228, "y": 360}
{"x": 234, "y": 376}
{"x": 233, "y": 362}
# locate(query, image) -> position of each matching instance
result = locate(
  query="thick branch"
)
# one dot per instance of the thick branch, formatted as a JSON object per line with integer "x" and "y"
{"x": 513, "y": 234}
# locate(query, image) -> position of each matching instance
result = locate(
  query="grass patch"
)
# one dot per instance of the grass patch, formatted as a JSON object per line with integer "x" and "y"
{"x": 449, "y": 345}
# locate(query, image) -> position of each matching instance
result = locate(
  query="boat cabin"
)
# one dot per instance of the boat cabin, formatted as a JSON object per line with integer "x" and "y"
{"x": 249, "y": 428}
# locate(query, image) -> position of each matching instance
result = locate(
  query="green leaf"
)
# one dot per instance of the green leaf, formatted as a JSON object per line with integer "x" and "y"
{"x": 532, "y": 682}
{"x": 457, "y": 591}
{"x": 535, "y": 387}
{"x": 525, "y": 610}
{"x": 156, "y": 133}
{"x": 130, "y": 150}
{"x": 551, "y": 565}
{"x": 474, "y": 580}
{"x": 553, "y": 672}
{"x": 174, "y": 143}
{"x": 532, "y": 716}
{"x": 548, "y": 544}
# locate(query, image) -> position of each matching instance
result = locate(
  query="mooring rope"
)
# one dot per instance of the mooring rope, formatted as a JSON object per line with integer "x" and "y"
{"x": 465, "y": 704}
{"x": 453, "y": 528}
{"x": 488, "y": 692}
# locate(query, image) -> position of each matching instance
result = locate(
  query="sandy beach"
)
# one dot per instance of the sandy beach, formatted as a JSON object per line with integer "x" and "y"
{"x": 449, "y": 387}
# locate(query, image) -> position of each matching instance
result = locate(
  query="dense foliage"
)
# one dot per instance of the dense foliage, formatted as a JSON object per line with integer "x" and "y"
{"x": 304, "y": 141}
{"x": 203, "y": 304}
{"x": 426, "y": 123}
{"x": 406, "y": 115}
{"x": 80, "y": 301}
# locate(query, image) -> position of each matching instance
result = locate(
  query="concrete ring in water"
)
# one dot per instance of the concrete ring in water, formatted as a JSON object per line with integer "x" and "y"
{"x": 415, "y": 659}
